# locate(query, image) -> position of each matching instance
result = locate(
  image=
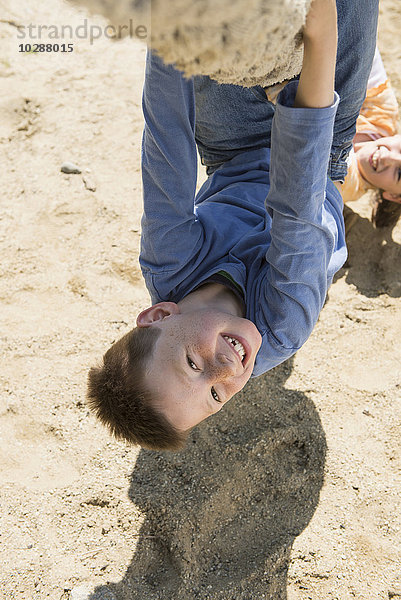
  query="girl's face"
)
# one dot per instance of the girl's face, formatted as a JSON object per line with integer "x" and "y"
{"x": 379, "y": 163}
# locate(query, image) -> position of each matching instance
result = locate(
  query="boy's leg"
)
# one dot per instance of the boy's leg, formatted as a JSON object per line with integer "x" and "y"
{"x": 231, "y": 119}
{"x": 357, "y": 37}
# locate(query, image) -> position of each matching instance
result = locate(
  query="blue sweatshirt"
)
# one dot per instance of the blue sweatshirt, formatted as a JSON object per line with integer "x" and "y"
{"x": 270, "y": 218}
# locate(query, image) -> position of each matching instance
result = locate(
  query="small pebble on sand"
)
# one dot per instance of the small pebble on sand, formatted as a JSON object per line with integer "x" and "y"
{"x": 89, "y": 183}
{"x": 70, "y": 168}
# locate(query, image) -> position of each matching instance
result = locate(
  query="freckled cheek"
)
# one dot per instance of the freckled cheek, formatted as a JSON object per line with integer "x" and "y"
{"x": 202, "y": 339}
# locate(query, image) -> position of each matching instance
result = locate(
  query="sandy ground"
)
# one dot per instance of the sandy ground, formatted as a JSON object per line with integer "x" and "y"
{"x": 292, "y": 491}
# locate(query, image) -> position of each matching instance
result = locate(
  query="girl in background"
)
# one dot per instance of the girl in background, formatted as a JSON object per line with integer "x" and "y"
{"x": 375, "y": 161}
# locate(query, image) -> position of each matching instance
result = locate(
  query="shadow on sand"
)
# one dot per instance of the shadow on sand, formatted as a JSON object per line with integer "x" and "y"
{"x": 374, "y": 258}
{"x": 222, "y": 515}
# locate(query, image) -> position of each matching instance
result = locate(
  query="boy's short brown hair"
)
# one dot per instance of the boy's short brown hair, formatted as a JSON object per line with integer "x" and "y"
{"x": 118, "y": 395}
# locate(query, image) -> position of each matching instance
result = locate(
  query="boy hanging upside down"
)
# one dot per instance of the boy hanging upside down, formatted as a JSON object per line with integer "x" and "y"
{"x": 239, "y": 272}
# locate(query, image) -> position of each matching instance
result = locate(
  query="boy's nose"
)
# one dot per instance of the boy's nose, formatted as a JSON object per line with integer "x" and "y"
{"x": 224, "y": 366}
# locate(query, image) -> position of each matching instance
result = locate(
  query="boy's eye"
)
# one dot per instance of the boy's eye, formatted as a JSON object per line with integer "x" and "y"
{"x": 215, "y": 395}
{"x": 399, "y": 175}
{"x": 192, "y": 364}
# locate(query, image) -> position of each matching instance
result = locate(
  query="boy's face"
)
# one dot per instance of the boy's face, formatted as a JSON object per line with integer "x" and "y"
{"x": 379, "y": 162}
{"x": 200, "y": 360}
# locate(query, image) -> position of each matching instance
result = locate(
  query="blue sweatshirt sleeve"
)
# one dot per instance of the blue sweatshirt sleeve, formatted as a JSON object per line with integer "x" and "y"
{"x": 306, "y": 229}
{"x": 171, "y": 232}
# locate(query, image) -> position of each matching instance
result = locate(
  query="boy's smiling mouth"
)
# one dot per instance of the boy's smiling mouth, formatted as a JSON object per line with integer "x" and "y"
{"x": 240, "y": 346}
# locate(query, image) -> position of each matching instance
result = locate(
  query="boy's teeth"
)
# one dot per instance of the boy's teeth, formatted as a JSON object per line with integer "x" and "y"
{"x": 238, "y": 347}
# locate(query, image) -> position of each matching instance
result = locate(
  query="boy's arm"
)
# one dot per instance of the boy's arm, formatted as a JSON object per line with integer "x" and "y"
{"x": 316, "y": 82}
{"x": 307, "y": 240}
{"x": 171, "y": 234}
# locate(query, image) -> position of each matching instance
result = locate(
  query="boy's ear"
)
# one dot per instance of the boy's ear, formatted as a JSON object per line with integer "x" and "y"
{"x": 156, "y": 313}
{"x": 392, "y": 197}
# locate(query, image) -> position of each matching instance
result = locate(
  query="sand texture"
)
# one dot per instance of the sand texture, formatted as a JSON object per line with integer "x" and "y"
{"x": 292, "y": 492}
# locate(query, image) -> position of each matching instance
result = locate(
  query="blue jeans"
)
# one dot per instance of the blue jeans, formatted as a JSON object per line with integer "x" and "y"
{"x": 232, "y": 119}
